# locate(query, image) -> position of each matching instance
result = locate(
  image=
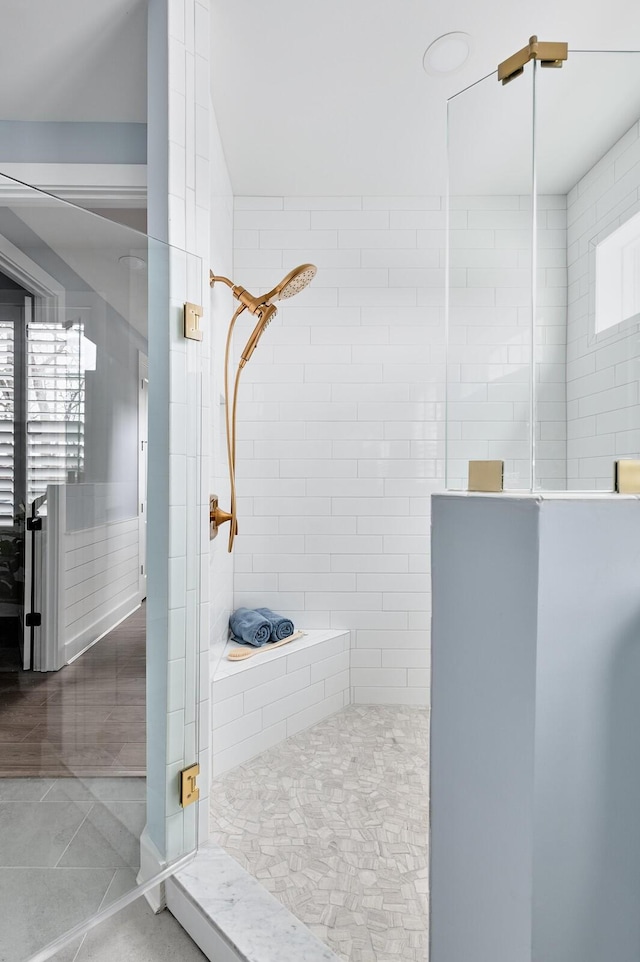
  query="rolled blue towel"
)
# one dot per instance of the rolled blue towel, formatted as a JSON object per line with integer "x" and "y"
{"x": 250, "y": 628}
{"x": 281, "y": 627}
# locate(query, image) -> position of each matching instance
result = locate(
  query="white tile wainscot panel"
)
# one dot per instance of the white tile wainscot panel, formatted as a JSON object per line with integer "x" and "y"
{"x": 274, "y": 694}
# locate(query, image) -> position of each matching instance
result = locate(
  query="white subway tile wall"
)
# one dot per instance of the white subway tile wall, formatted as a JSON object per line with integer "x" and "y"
{"x": 258, "y": 704}
{"x": 340, "y": 427}
{"x": 341, "y": 416}
{"x": 603, "y": 402}
{"x": 192, "y": 162}
{"x": 490, "y": 339}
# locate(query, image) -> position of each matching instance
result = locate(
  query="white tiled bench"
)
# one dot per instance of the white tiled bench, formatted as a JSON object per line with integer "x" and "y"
{"x": 259, "y": 702}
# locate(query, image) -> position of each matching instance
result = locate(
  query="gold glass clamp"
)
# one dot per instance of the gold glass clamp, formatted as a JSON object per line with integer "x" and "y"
{"x": 192, "y": 316}
{"x": 486, "y": 476}
{"x": 189, "y": 791}
{"x": 626, "y": 476}
{"x": 550, "y": 54}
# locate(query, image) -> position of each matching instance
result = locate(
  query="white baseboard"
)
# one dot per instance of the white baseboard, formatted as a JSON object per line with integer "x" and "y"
{"x": 101, "y": 627}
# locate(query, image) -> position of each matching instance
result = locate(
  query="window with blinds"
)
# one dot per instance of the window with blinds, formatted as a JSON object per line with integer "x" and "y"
{"x": 7, "y": 415}
{"x": 55, "y": 405}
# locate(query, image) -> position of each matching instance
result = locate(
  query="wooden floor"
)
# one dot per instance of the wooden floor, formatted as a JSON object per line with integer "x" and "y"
{"x": 88, "y": 719}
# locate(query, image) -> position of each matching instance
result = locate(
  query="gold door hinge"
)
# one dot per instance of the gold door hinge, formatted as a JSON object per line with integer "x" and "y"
{"x": 189, "y": 791}
{"x": 548, "y": 53}
{"x": 192, "y": 315}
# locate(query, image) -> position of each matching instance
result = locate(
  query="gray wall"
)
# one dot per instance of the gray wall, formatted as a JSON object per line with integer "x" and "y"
{"x": 535, "y": 750}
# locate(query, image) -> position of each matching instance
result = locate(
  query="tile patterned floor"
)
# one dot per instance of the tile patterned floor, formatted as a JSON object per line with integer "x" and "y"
{"x": 134, "y": 935}
{"x": 334, "y": 822}
{"x": 88, "y": 719}
{"x": 67, "y": 848}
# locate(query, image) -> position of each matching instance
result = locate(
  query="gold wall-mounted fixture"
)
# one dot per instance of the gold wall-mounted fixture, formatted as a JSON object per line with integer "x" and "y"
{"x": 265, "y": 310}
{"x": 548, "y": 53}
{"x": 626, "y": 477}
{"x": 486, "y": 475}
{"x": 189, "y": 791}
{"x": 192, "y": 315}
{"x": 216, "y": 516}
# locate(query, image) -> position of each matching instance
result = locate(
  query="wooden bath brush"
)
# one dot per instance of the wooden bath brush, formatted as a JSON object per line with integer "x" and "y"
{"x": 239, "y": 654}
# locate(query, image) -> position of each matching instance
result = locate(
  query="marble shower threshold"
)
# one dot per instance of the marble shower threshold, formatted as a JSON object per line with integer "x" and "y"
{"x": 232, "y": 918}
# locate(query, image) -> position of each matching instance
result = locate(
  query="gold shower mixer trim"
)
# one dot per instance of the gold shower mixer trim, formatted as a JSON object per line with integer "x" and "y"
{"x": 265, "y": 310}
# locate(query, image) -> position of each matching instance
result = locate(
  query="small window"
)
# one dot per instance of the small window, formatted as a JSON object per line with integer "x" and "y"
{"x": 618, "y": 276}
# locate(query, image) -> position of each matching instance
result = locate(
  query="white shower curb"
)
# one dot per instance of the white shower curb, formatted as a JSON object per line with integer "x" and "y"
{"x": 232, "y": 918}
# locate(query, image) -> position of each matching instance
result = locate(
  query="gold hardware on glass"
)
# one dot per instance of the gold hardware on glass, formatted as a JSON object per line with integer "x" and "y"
{"x": 486, "y": 475}
{"x": 189, "y": 791}
{"x": 626, "y": 477}
{"x": 549, "y": 54}
{"x": 265, "y": 310}
{"x": 192, "y": 315}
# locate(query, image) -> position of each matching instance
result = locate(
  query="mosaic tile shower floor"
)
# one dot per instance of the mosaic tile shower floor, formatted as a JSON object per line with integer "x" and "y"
{"x": 334, "y": 822}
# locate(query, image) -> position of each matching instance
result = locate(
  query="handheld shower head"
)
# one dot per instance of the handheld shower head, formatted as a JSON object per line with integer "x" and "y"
{"x": 266, "y": 315}
{"x": 265, "y": 310}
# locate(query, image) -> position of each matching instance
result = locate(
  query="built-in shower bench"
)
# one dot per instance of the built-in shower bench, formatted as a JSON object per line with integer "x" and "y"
{"x": 258, "y": 702}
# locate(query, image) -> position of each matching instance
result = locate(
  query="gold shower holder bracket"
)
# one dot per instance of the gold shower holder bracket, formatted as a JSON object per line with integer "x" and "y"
{"x": 217, "y": 516}
{"x": 548, "y": 53}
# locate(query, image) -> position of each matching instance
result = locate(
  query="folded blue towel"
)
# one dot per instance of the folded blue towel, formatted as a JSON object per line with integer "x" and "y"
{"x": 281, "y": 627}
{"x": 250, "y": 628}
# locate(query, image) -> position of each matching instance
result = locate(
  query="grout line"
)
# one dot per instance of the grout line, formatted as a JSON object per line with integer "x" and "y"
{"x": 51, "y": 787}
{"x": 62, "y": 854}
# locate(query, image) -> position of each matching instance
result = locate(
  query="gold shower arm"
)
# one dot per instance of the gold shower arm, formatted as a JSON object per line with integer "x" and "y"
{"x": 240, "y": 293}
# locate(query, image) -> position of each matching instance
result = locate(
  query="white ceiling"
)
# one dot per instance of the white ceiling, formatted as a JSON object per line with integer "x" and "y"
{"x": 331, "y": 98}
{"x": 73, "y": 60}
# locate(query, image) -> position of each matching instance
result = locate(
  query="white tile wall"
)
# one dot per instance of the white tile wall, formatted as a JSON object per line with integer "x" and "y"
{"x": 341, "y": 417}
{"x": 340, "y": 426}
{"x": 603, "y": 412}
{"x": 489, "y": 411}
{"x": 258, "y": 704}
{"x": 192, "y": 165}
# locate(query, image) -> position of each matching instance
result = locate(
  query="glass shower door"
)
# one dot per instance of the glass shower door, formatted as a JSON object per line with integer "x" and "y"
{"x": 94, "y": 736}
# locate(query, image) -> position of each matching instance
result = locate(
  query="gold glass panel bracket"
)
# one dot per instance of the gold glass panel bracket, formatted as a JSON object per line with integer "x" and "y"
{"x": 626, "y": 476}
{"x": 549, "y": 54}
{"x": 486, "y": 476}
{"x": 189, "y": 791}
{"x": 192, "y": 315}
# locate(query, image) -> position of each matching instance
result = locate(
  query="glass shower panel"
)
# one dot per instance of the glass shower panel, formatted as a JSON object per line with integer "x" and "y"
{"x": 489, "y": 289}
{"x": 588, "y": 280}
{"x": 82, "y": 788}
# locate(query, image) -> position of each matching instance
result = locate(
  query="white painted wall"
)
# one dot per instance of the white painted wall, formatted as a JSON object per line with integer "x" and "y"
{"x": 603, "y": 401}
